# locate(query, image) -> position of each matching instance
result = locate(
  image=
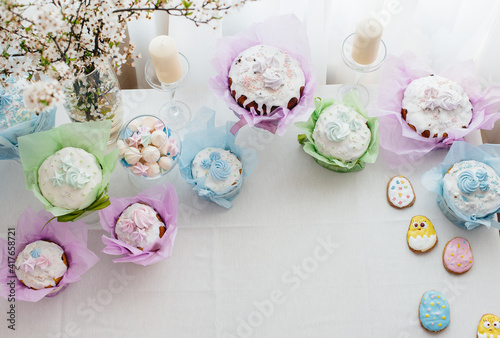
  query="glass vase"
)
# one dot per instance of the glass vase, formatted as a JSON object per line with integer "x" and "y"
{"x": 96, "y": 97}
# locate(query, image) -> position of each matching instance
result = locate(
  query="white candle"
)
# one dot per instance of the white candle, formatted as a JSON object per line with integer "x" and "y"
{"x": 367, "y": 40}
{"x": 165, "y": 58}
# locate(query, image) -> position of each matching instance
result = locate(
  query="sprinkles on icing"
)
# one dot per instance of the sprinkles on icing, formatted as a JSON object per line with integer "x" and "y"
{"x": 434, "y": 311}
{"x": 457, "y": 256}
{"x": 400, "y": 193}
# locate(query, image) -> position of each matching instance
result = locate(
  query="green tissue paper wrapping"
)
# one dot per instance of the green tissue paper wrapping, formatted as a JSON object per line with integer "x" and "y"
{"x": 92, "y": 137}
{"x": 370, "y": 156}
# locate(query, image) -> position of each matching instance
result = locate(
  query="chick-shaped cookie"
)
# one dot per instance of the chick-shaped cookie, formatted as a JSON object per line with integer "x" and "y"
{"x": 421, "y": 236}
{"x": 489, "y": 327}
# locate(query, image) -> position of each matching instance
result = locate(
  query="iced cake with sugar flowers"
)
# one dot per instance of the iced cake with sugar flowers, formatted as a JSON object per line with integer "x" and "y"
{"x": 70, "y": 178}
{"x": 264, "y": 78}
{"x": 139, "y": 226}
{"x": 41, "y": 264}
{"x": 221, "y": 168}
{"x": 341, "y": 133}
{"x": 472, "y": 187}
{"x": 433, "y": 106}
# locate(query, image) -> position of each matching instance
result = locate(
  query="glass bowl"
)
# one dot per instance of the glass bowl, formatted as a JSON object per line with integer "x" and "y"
{"x": 149, "y": 150}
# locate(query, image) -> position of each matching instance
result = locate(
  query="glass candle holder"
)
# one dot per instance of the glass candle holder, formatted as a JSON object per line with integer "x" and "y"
{"x": 359, "y": 69}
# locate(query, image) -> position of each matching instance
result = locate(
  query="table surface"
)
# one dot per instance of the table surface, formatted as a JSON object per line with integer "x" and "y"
{"x": 304, "y": 252}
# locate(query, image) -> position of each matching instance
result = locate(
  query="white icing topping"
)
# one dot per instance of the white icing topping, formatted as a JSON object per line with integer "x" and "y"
{"x": 273, "y": 82}
{"x": 436, "y": 104}
{"x": 81, "y": 172}
{"x": 479, "y": 202}
{"x": 352, "y": 142}
{"x": 420, "y": 243}
{"x": 141, "y": 234}
{"x": 201, "y": 167}
{"x": 49, "y": 264}
{"x": 400, "y": 192}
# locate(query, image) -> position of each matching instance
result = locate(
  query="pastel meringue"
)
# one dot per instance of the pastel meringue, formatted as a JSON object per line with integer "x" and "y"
{"x": 132, "y": 155}
{"x": 154, "y": 169}
{"x": 150, "y": 154}
{"x": 121, "y": 146}
{"x": 158, "y": 138}
{"x": 149, "y": 121}
{"x": 165, "y": 163}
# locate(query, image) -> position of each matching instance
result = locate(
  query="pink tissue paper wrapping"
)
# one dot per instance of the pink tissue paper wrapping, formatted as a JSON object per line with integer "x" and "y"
{"x": 285, "y": 32}
{"x": 164, "y": 201}
{"x": 399, "y": 143}
{"x": 71, "y": 236}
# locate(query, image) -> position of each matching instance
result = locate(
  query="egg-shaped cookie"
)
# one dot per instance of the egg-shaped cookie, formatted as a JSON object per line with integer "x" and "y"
{"x": 421, "y": 236}
{"x": 457, "y": 256}
{"x": 489, "y": 326}
{"x": 400, "y": 193}
{"x": 434, "y": 311}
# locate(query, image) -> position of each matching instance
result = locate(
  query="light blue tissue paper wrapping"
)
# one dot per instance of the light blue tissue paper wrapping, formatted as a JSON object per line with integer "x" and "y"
{"x": 8, "y": 137}
{"x": 201, "y": 133}
{"x": 433, "y": 180}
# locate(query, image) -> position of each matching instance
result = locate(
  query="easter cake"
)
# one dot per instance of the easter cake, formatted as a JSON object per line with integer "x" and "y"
{"x": 433, "y": 106}
{"x": 139, "y": 226}
{"x": 221, "y": 169}
{"x": 341, "y": 133}
{"x": 41, "y": 264}
{"x": 472, "y": 187}
{"x": 70, "y": 178}
{"x": 264, "y": 78}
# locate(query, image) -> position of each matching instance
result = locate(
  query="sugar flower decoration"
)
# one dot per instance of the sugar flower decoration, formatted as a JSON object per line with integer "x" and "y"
{"x": 43, "y": 262}
{"x": 29, "y": 265}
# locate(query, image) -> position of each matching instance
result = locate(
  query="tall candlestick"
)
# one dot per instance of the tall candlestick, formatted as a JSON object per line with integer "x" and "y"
{"x": 367, "y": 40}
{"x": 165, "y": 58}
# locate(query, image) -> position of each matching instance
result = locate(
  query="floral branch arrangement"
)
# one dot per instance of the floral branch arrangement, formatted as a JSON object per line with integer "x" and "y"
{"x": 63, "y": 41}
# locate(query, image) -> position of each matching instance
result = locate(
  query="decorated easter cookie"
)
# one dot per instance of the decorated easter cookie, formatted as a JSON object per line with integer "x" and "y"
{"x": 434, "y": 311}
{"x": 457, "y": 256}
{"x": 400, "y": 192}
{"x": 489, "y": 327}
{"x": 421, "y": 235}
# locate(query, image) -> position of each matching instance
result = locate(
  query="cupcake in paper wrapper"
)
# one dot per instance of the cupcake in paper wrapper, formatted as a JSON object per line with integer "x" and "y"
{"x": 212, "y": 162}
{"x": 32, "y": 227}
{"x": 163, "y": 200}
{"x": 340, "y": 136}
{"x": 399, "y": 142}
{"x": 71, "y": 163}
{"x": 16, "y": 120}
{"x": 274, "y": 71}
{"x": 465, "y": 153}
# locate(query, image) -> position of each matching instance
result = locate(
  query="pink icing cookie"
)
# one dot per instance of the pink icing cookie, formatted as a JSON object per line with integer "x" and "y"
{"x": 457, "y": 256}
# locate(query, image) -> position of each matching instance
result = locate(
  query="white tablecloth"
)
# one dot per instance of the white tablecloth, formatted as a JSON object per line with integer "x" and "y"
{"x": 304, "y": 252}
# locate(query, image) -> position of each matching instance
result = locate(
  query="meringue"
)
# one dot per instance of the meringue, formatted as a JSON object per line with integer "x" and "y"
{"x": 132, "y": 155}
{"x": 154, "y": 169}
{"x": 165, "y": 163}
{"x": 150, "y": 154}
{"x": 158, "y": 138}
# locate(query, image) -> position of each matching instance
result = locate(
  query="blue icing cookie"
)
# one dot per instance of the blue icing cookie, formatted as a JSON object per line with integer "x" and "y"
{"x": 434, "y": 311}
